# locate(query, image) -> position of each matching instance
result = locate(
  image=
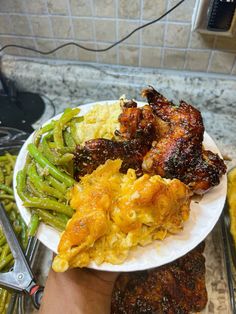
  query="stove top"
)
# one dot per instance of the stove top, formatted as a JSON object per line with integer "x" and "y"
{"x": 21, "y": 111}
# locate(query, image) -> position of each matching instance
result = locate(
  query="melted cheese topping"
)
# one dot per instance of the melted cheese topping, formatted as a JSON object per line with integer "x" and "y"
{"x": 116, "y": 212}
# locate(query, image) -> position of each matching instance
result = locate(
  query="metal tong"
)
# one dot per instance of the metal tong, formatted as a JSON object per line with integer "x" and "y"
{"x": 11, "y": 138}
{"x": 20, "y": 278}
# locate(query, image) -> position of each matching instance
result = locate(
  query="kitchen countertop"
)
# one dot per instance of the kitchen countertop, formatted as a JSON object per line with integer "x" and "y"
{"x": 69, "y": 85}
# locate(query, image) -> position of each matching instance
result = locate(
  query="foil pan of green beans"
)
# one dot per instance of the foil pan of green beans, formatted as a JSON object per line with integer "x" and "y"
{"x": 7, "y": 162}
{"x": 10, "y": 143}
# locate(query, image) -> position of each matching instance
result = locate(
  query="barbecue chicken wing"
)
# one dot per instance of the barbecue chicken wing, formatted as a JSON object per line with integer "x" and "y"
{"x": 178, "y": 287}
{"x": 179, "y": 153}
{"x": 96, "y": 152}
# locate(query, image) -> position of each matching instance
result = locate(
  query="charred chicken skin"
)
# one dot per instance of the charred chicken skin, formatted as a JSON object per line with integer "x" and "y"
{"x": 137, "y": 122}
{"x": 179, "y": 154}
{"x": 96, "y": 152}
{"x": 178, "y": 287}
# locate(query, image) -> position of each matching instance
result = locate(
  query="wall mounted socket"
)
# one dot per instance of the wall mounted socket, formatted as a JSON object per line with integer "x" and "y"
{"x": 215, "y": 17}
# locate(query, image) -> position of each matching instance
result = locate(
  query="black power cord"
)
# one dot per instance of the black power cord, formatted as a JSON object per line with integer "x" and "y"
{"x": 90, "y": 49}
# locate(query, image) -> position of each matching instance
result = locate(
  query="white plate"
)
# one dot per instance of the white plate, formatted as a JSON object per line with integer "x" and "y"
{"x": 203, "y": 217}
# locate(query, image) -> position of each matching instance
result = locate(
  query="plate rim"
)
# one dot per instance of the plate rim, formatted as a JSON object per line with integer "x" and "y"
{"x": 44, "y": 229}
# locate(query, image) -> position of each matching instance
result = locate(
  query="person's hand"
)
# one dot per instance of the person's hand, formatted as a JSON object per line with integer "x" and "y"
{"x": 78, "y": 291}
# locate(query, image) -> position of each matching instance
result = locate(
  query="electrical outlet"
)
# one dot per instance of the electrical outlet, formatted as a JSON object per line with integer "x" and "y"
{"x": 216, "y": 17}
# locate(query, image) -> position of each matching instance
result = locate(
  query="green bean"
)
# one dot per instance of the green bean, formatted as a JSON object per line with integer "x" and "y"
{"x": 69, "y": 139}
{"x": 2, "y": 240}
{"x": 5, "y": 251}
{"x": 7, "y": 301}
{"x": 65, "y": 150}
{"x": 48, "y": 127}
{"x": 42, "y": 131}
{"x": 3, "y": 158}
{"x": 78, "y": 119}
{"x": 9, "y": 207}
{"x": 2, "y": 180}
{"x": 21, "y": 184}
{"x": 3, "y": 300}
{"x": 10, "y": 159}
{"x": 73, "y": 131}
{"x": 65, "y": 159}
{"x": 12, "y": 215}
{"x": 5, "y": 261}
{"x": 50, "y": 219}
{"x": 8, "y": 179}
{"x": 52, "y": 157}
{"x": 46, "y": 203}
{"x": 24, "y": 239}
{"x": 17, "y": 227}
{"x": 64, "y": 218}
{"x": 70, "y": 168}
{"x": 49, "y": 135}
{"x": 6, "y": 196}
{"x": 40, "y": 184}
{"x": 43, "y": 162}
{"x": 15, "y": 207}
{"x": 57, "y": 184}
{"x": 59, "y": 125}
{"x": 52, "y": 144}
{"x": 8, "y": 168}
{"x": 10, "y": 264}
{"x": 33, "y": 190}
{"x": 6, "y": 188}
{"x": 5, "y": 202}
{"x": 33, "y": 225}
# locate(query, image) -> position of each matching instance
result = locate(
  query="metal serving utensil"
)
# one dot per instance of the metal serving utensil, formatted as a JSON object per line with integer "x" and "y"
{"x": 11, "y": 138}
{"x": 229, "y": 252}
{"x": 20, "y": 278}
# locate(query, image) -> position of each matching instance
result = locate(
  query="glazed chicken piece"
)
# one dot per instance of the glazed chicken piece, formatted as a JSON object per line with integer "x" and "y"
{"x": 96, "y": 152}
{"x": 178, "y": 287}
{"x": 137, "y": 122}
{"x": 179, "y": 153}
{"x": 136, "y": 135}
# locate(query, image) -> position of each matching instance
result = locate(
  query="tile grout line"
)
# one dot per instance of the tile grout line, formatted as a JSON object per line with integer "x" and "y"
{"x": 50, "y": 25}
{"x": 211, "y": 55}
{"x": 94, "y": 28}
{"x": 117, "y": 31}
{"x": 188, "y": 45}
{"x": 187, "y": 48}
{"x": 164, "y": 37}
{"x": 72, "y": 27}
{"x": 233, "y": 66}
{"x": 30, "y": 27}
{"x": 10, "y": 23}
{"x": 93, "y": 18}
{"x": 140, "y": 34}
